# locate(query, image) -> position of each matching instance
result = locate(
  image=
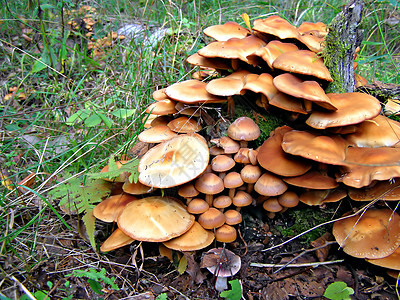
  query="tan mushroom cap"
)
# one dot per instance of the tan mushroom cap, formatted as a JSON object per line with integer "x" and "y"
{"x": 376, "y": 234}
{"x": 303, "y": 62}
{"x": 263, "y": 84}
{"x": 188, "y": 190}
{"x": 377, "y": 132}
{"x": 288, "y": 199}
{"x": 352, "y": 108}
{"x": 226, "y": 234}
{"x": 388, "y": 190}
{"x": 364, "y": 165}
{"x": 242, "y": 199}
{"x": 116, "y": 240}
{"x": 212, "y": 218}
{"x": 322, "y": 148}
{"x": 197, "y": 206}
{"x": 155, "y": 219}
{"x": 195, "y": 238}
{"x": 136, "y": 188}
{"x": 109, "y": 209}
{"x": 192, "y": 91}
{"x": 156, "y": 134}
{"x": 160, "y": 120}
{"x": 232, "y": 180}
{"x": 313, "y": 41}
{"x": 277, "y": 26}
{"x": 270, "y": 185}
{"x": 233, "y": 48}
{"x": 174, "y": 162}
{"x": 320, "y": 27}
{"x": 226, "y": 31}
{"x": 184, "y": 125}
{"x": 289, "y": 103}
{"x": 229, "y": 145}
{"x": 244, "y": 129}
{"x": 222, "y": 201}
{"x": 209, "y": 62}
{"x": 309, "y": 90}
{"x": 233, "y": 217}
{"x": 390, "y": 262}
{"x": 209, "y": 184}
{"x": 318, "y": 197}
{"x": 188, "y": 110}
{"x": 272, "y": 157}
{"x": 312, "y": 180}
{"x": 147, "y": 119}
{"x": 273, "y": 49}
{"x": 272, "y": 205}
{"x": 229, "y": 85}
{"x": 159, "y": 95}
{"x": 222, "y": 163}
{"x": 250, "y": 173}
{"x": 162, "y": 107}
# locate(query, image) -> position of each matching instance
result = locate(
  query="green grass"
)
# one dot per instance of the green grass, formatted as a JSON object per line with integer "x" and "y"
{"x": 34, "y": 135}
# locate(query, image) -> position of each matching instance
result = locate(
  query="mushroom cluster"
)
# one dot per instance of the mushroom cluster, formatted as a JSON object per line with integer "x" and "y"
{"x": 337, "y": 145}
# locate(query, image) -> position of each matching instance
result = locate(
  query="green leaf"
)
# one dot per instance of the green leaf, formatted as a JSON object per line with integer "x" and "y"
{"x": 338, "y": 291}
{"x": 41, "y": 63}
{"x": 93, "y": 120}
{"x": 95, "y": 286}
{"x": 106, "y": 120}
{"x": 123, "y": 113}
{"x": 162, "y": 296}
{"x": 89, "y": 221}
{"x": 182, "y": 265}
{"x": 79, "y": 115}
{"x": 235, "y": 293}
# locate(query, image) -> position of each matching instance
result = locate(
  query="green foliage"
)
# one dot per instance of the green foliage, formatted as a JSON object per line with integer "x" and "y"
{"x": 162, "y": 296}
{"x": 338, "y": 291}
{"x": 96, "y": 279}
{"x": 235, "y": 293}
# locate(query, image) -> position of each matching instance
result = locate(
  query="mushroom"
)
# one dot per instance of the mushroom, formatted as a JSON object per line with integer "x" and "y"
{"x": 225, "y": 234}
{"x": 212, "y": 218}
{"x": 222, "y": 263}
{"x": 244, "y": 129}
{"x": 109, "y": 209}
{"x": 197, "y": 206}
{"x": 156, "y": 134}
{"x": 250, "y": 175}
{"x": 209, "y": 184}
{"x": 232, "y": 180}
{"x": 184, "y": 125}
{"x": 222, "y": 164}
{"x": 226, "y": 31}
{"x": 116, "y": 240}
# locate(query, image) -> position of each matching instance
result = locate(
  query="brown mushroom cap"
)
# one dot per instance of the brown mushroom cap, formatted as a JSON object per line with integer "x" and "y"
{"x": 289, "y": 103}
{"x": 109, "y": 209}
{"x": 222, "y": 201}
{"x": 302, "y": 62}
{"x": 273, "y": 49}
{"x": 162, "y": 107}
{"x": 262, "y": 83}
{"x": 159, "y": 95}
{"x": 212, "y": 218}
{"x": 208, "y": 62}
{"x": 288, "y": 199}
{"x": 226, "y": 31}
{"x": 390, "y": 262}
{"x": 197, "y": 206}
{"x": 136, "y": 188}
{"x": 229, "y": 85}
{"x": 272, "y": 205}
{"x": 272, "y": 157}
{"x": 222, "y": 163}
{"x": 250, "y": 173}
{"x": 318, "y": 197}
{"x": 242, "y": 199}
{"x": 312, "y": 180}
{"x": 225, "y": 268}
{"x": 382, "y": 190}
{"x": 270, "y": 185}
{"x": 209, "y": 184}
{"x": 320, "y": 27}
{"x": 155, "y": 219}
{"x": 232, "y": 180}
{"x": 184, "y": 125}
{"x": 156, "y": 134}
{"x": 230, "y": 146}
{"x": 309, "y": 90}
{"x": 244, "y": 129}
{"x": 352, "y": 108}
{"x": 226, "y": 234}
{"x": 116, "y": 240}
{"x": 188, "y": 190}
{"x": 191, "y": 91}
{"x": 174, "y": 162}
{"x": 375, "y": 234}
{"x": 232, "y": 217}
{"x": 275, "y": 25}
{"x": 195, "y": 238}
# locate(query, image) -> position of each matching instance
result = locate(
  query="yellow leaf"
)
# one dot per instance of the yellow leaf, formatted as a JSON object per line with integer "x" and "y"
{"x": 182, "y": 265}
{"x": 246, "y": 20}
{"x": 6, "y": 181}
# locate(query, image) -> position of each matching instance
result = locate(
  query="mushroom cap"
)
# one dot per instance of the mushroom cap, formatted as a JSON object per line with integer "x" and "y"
{"x": 233, "y": 217}
{"x": 270, "y": 185}
{"x": 312, "y": 180}
{"x": 277, "y": 26}
{"x": 320, "y": 27}
{"x": 195, "y": 238}
{"x": 229, "y": 85}
{"x": 289, "y": 103}
{"x": 188, "y": 190}
{"x": 352, "y": 108}
{"x": 174, "y": 162}
{"x": 159, "y": 95}
{"x": 250, "y": 173}
{"x": 303, "y": 62}
{"x": 244, "y": 129}
{"x": 390, "y": 262}
{"x": 221, "y": 261}
{"x": 209, "y": 184}
{"x": 326, "y": 149}
{"x": 222, "y": 163}
{"x": 288, "y": 199}
{"x": 212, "y": 218}
{"x": 232, "y": 180}
{"x": 162, "y": 107}
{"x": 377, "y": 132}
{"x": 242, "y": 199}
{"x": 383, "y": 190}
{"x": 222, "y": 201}
{"x": 188, "y": 110}
{"x": 156, "y": 134}
{"x": 272, "y": 205}
{"x": 273, "y": 49}
{"x": 364, "y": 165}
{"x": 226, "y": 31}
{"x": 376, "y": 234}
{"x": 272, "y": 157}
{"x": 116, "y": 240}
{"x": 209, "y": 62}
{"x": 136, "y": 188}
{"x": 225, "y": 234}
{"x": 262, "y": 83}
{"x": 191, "y": 91}
{"x": 225, "y": 142}
{"x": 233, "y": 48}
{"x": 184, "y": 125}
{"x": 318, "y": 197}
{"x": 155, "y": 219}
{"x": 309, "y": 89}
{"x": 109, "y": 209}
{"x": 197, "y": 206}
{"x": 160, "y": 120}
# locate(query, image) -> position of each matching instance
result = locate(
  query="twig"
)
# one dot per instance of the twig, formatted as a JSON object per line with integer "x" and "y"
{"x": 301, "y": 265}
{"x": 23, "y": 288}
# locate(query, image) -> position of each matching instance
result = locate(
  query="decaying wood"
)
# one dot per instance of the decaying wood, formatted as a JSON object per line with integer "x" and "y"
{"x": 341, "y": 42}
{"x": 382, "y": 91}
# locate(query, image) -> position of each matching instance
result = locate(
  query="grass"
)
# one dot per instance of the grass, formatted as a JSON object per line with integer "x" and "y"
{"x": 37, "y": 131}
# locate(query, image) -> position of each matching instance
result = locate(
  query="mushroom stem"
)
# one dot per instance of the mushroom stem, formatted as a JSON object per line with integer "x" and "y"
{"x": 231, "y": 107}
{"x": 209, "y": 199}
{"x": 221, "y": 283}
{"x": 250, "y": 187}
{"x": 232, "y": 192}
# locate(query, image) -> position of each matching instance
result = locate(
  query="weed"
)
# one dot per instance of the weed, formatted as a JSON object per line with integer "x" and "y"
{"x": 338, "y": 291}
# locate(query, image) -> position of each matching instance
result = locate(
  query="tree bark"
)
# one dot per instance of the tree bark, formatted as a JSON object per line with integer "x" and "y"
{"x": 341, "y": 42}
